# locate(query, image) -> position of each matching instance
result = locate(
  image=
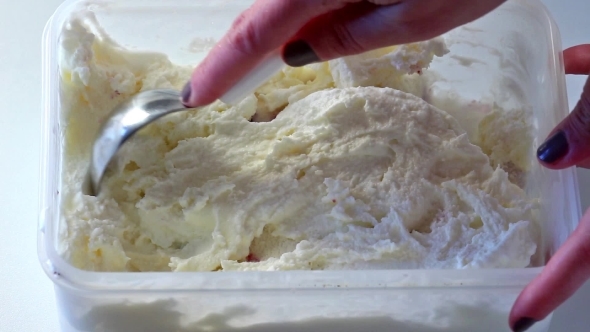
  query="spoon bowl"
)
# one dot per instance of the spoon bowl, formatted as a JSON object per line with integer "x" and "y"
{"x": 148, "y": 106}
{"x": 125, "y": 120}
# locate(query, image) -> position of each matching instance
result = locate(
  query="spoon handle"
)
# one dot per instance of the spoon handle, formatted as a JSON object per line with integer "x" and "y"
{"x": 253, "y": 80}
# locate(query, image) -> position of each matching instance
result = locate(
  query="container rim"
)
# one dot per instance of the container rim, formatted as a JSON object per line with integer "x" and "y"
{"x": 65, "y": 275}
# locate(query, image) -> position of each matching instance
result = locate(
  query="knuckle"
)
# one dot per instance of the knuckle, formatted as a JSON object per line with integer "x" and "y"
{"x": 579, "y": 120}
{"x": 239, "y": 20}
{"x": 344, "y": 42}
{"x": 244, "y": 36}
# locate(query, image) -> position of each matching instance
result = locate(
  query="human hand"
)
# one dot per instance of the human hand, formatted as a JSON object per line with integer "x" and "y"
{"x": 319, "y": 30}
{"x": 568, "y": 145}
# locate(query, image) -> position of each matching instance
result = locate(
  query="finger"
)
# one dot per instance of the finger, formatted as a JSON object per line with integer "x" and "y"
{"x": 577, "y": 60}
{"x": 269, "y": 23}
{"x": 565, "y": 272}
{"x": 364, "y": 26}
{"x": 569, "y": 143}
{"x": 259, "y": 30}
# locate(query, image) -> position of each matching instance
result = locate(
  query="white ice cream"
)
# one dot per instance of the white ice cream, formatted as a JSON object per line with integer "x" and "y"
{"x": 339, "y": 165}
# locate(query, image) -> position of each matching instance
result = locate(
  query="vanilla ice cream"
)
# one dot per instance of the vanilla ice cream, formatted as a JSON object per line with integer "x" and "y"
{"x": 347, "y": 164}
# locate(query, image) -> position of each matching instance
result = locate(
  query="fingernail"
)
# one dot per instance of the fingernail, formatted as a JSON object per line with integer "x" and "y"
{"x": 186, "y": 92}
{"x": 523, "y": 324}
{"x": 298, "y": 53}
{"x": 554, "y": 148}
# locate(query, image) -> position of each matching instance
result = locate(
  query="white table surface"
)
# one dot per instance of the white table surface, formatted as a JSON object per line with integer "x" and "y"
{"x": 26, "y": 294}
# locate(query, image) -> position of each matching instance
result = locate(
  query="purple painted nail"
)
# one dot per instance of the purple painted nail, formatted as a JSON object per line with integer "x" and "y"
{"x": 523, "y": 324}
{"x": 186, "y": 92}
{"x": 298, "y": 53}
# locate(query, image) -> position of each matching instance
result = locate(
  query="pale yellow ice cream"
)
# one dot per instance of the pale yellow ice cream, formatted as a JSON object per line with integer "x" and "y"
{"x": 338, "y": 165}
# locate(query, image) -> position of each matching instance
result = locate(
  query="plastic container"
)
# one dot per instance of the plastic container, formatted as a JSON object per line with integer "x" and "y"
{"x": 519, "y": 45}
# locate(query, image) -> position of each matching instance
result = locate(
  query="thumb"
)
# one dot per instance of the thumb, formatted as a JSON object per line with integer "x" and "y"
{"x": 569, "y": 143}
{"x": 368, "y": 25}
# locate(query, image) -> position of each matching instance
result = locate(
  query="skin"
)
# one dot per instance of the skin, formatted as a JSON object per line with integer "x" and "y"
{"x": 335, "y": 28}
{"x": 569, "y": 268}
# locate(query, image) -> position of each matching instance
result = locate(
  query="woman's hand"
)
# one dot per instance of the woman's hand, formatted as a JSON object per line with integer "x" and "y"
{"x": 568, "y": 145}
{"x": 318, "y": 30}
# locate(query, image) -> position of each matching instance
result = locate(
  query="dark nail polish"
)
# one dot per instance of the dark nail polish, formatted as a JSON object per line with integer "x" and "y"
{"x": 523, "y": 324}
{"x": 186, "y": 92}
{"x": 554, "y": 148}
{"x": 298, "y": 53}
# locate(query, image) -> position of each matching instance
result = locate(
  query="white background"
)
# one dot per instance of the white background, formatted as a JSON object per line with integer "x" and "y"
{"x": 26, "y": 294}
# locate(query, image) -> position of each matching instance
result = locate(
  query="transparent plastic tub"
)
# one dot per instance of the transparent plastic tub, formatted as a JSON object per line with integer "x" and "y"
{"x": 517, "y": 45}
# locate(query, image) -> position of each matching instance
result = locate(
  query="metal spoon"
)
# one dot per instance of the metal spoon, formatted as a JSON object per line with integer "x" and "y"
{"x": 148, "y": 106}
